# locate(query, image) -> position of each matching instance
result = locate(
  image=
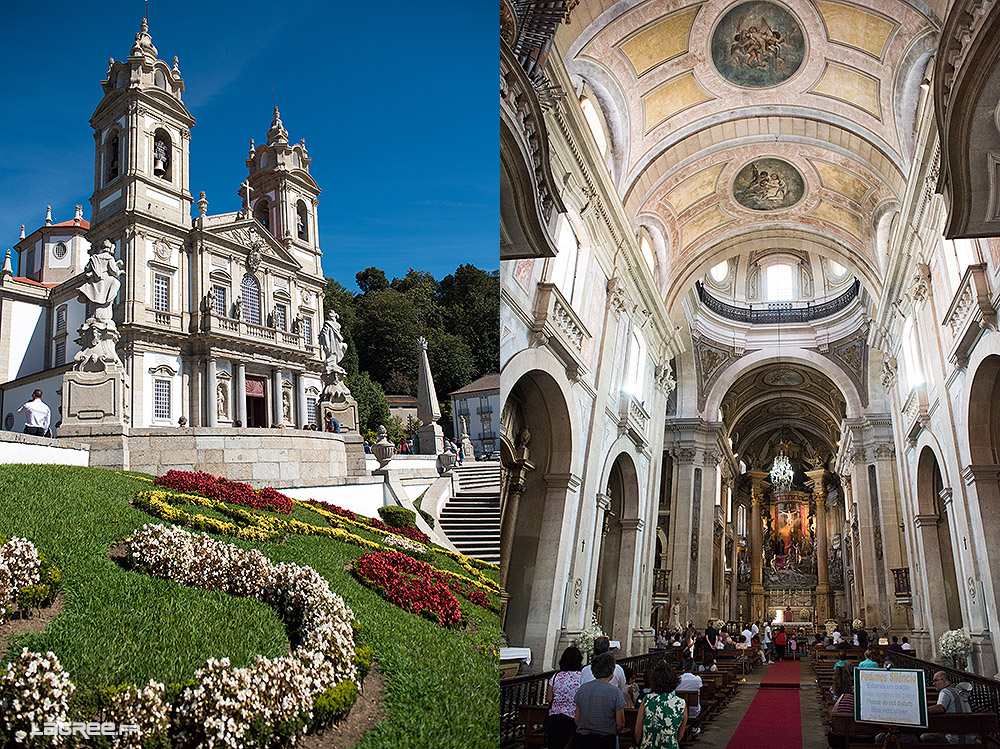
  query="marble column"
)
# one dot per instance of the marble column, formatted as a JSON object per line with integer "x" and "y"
{"x": 625, "y": 624}
{"x": 816, "y": 479}
{"x": 278, "y": 377}
{"x": 300, "y": 397}
{"x": 211, "y": 399}
{"x": 757, "y": 601}
{"x": 241, "y": 393}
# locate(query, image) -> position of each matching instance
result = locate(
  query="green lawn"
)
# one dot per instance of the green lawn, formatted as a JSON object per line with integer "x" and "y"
{"x": 442, "y": 686}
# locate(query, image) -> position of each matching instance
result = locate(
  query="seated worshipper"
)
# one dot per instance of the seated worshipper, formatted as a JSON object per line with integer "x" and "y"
{"x": 708, "y": 661}
{"x": 868, "y": 662}
{"x": 560, "y": 725}
{"x": 600, "y": 707}
{"x": 743, "y": 644}
{"x": 819, "y": 643}
{"x": 841, "y": 662}
{"x": 842, "y": 681}
{"x": 906, "y": 644}
{"x": 691, "y": 682}
{"x": 837, "y": 636}
{"x": 603, "y": 645}
{"x": 861, "y": 638}
{"x": 662, "y": 714}
{"x": 632, "y": 693}
{"x": 894, "y": 646}
{"x": 661, "y": 640}
{"x": 758, "y": 647}
{"x": 953, "y": 698}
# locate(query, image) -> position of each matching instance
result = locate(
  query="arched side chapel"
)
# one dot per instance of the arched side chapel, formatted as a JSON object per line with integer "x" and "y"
{"x": 777, "y": 344}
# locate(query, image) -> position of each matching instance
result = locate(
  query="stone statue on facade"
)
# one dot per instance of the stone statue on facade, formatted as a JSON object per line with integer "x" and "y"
{"x": 337, "y": 401}
{"x": 331, "y": 341}
{"x": 94, "y": 392}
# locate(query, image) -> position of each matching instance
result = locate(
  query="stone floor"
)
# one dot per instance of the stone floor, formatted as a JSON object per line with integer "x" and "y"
{"x": 717, "y": 734}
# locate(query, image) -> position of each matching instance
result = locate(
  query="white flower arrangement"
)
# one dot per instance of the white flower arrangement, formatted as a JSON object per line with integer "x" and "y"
{"x": 19, "y": 568}
{"x": 34, "y": 690}
{"x": 585, "y": 640}
{"x": 405, "y": 544}
{"x": 218, "y": 711}
{"x": 720, "y": 623}
{"x": 955, "y": 643}
{"x": 857, "y": 624}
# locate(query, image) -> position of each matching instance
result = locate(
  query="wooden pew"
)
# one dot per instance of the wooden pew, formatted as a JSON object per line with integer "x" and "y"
{"x": 842, "y": 723}
{"x": 532, "y": 717}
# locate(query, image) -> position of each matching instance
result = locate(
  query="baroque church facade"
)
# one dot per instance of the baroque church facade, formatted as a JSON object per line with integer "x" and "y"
{"x": 219, "y": 315}
{"x": 750, "y": 361}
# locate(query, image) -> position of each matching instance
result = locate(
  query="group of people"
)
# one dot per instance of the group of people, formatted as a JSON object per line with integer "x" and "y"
{"x": 588, "y": 703}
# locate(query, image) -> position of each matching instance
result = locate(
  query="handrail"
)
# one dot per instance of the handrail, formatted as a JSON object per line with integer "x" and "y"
{"x": 778, "y": 312}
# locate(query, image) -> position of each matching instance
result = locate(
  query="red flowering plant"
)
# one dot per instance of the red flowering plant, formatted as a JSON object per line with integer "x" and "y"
{"x": 417, "y": 586}
{"x": 414, "y": 534}
{"x": 222, "y": 489}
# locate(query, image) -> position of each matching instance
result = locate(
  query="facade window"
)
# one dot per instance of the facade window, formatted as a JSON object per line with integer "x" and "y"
{"x": 570, "y": 264}
{"x": 911, "y": 358}
{"x": 162, "y": 155}
{"x": 780, "y": 283}
{"x": 221, "y": 300}
{"x": 250, "y": 290}
{"x": 720, "y": 272}
{"x": 161, "y": 293}
{"x": 59, "y": 251}
{"x": 111, "y": 158}
{"x": 60, "y": 353}
{"x": 61, "y": 318}
{"x": 636, "y": 373}
{"x": 29, "y": 264}
{"x": 307, "y": 329}
{"x": 262, "y": 212}
{"x": 594, "y": 122}
{"x": 302, "y": 221}
{"x": 310, "y": 411}
{"x": 161, "y": 399}
{"x": 280, "y": 317}
{"x": 463, "y": 407}
{"x": 647, "y": 254}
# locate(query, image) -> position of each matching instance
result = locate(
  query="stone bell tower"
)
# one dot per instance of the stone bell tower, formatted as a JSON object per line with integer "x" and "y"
{"x": 142, "y": 132}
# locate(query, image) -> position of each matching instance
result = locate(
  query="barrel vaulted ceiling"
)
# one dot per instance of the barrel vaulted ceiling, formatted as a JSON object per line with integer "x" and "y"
{"x": 752, "y": 125}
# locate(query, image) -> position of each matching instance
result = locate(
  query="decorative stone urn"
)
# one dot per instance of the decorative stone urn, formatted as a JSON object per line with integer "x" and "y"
{"x": 446, "y": 460}
{"x": 383, "y": 450}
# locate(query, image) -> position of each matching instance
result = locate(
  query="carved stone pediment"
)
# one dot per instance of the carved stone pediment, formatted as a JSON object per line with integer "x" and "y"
{"x": 258, "y": 244}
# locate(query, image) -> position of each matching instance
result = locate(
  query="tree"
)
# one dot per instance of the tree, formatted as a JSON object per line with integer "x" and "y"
{"x": 451, "y": 360}
{"x": 470, "y": 302}
{"x": 371, "y": 279}
{"x": 386, "y": 334}
{"x": 373, "y": 407}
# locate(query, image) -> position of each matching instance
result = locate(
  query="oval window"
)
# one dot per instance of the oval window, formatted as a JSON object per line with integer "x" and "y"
{"x": 720, "y": 271}
{"x": 59, "y": 251}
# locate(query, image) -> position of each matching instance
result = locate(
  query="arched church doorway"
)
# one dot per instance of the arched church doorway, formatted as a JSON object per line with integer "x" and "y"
{"x": 615, "y": 567}
{"x": 934, "y": 527}
{"x": 536, "y": 449}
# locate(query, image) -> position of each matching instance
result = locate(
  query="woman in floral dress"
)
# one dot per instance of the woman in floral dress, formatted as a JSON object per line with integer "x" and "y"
{"x": 561, "y": 724}
{"x": 662, "y": 714}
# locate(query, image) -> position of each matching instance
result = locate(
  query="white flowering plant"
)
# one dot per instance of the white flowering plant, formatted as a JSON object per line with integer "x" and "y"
{"x": 857, "y": 624}
{"x": 954, "y": 644}
{"x": 19, "y": 569}
{"x": 34, "y": 690}
{"x": 585, "y": 640}
{"x": 720, "y": 623}
{"x": 413, "y": 548}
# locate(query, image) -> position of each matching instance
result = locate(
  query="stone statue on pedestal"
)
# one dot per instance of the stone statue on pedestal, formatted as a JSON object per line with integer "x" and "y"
{"x": 467, "y": 449}
{"x": 336, "y": 400}
{"x": 94, "y": 391}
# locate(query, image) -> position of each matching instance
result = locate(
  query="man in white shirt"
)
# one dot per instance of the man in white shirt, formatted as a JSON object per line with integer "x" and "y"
{"x": 690, "y": 682}
{"x": 755, "y": 628}
{"x": 748, "y": 635}
{"x": 36, "y": 417}
{"x": 602, "y": 645}
{"x": 768, "y": 642}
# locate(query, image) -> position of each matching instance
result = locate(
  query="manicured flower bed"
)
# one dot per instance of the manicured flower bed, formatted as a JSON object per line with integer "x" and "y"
{"x": 414, "y": 534}
{"x": 270, "y": 701}
{"x": 418, "y": 587}
{"x": 233, "y": 492}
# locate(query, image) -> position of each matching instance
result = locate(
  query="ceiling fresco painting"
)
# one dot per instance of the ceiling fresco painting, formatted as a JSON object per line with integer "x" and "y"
{"x": 768, "y": 185}
{"x": 758, "y": 45}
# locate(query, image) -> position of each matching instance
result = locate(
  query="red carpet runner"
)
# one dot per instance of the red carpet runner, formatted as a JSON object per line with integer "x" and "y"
{"x": 774, "y": 718}
{"x": 782, "y": 675}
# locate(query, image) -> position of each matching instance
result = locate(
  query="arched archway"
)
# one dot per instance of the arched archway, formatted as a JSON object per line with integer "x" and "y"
{"x": 537, "y": 487}
{"x": 618, "y": 542}
{"x": 934, "y": 532}
{"x": 984, "y": 413}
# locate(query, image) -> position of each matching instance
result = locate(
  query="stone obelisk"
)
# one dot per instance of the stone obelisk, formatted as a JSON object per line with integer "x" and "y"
{"x": 428, "y": 411}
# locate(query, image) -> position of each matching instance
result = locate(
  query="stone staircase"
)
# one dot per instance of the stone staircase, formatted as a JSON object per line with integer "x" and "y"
{"x": 471, "y": 518}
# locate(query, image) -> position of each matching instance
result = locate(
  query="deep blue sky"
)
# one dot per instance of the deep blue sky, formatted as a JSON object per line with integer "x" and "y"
{"x": 393, "y": 100}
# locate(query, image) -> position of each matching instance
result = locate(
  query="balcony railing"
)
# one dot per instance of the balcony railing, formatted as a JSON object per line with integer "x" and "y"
{"x": 778, "y": 312}
{"x": 243, "y": 329}
{"x": 484, "y": 410}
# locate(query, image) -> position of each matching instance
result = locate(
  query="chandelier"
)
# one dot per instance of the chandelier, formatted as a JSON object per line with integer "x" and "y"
{"x": 782, "y": 473}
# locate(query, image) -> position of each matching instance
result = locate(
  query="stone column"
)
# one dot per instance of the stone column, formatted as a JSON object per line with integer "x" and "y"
{"x": 757, "y": 602}
{"x": 211, "y": 397}
{"x": 240, "y": 396}
{"x": 816, "y": 479}
{"x": 300, "y": 397}
{"x": 934, "y": 609}
{"x": 625, "y": 624}
{"x": 278, "y": 377}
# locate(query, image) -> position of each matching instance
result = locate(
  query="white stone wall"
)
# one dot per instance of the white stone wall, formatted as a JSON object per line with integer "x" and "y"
{"x": 24, "y": 448}
{"x": 16, "y": 396}
{"x": 27, "y": 339}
